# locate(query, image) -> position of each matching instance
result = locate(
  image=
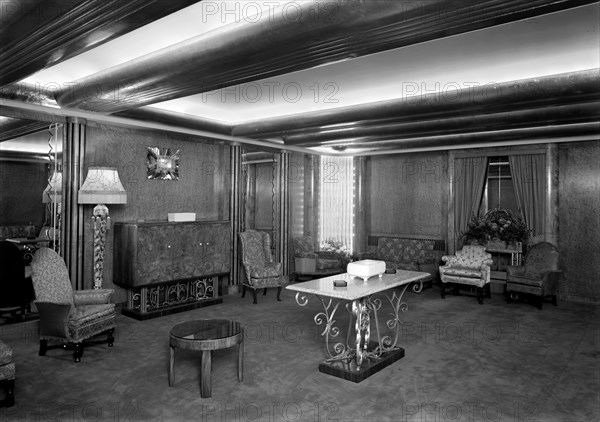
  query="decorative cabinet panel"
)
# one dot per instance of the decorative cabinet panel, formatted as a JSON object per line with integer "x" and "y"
{"x": 170, "y": 266}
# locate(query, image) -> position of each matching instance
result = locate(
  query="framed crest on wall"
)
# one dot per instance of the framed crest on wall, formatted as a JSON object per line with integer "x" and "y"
{"x": 162, "y": 163}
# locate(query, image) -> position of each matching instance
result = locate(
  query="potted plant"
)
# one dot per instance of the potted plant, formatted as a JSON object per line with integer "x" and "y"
{"x": 498, "y": 229}
{"x": 336, "y": 248}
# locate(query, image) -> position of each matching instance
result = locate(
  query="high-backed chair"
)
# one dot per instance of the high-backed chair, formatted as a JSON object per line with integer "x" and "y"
{"x": 7, "y": 375}
{"x": 538, "y": 277}
{"x": 312, "y": 262}
{"x": 16, "y": 290}
{"x": 471, "y": 267}
{"x": 261, "y": 271}
{"x": 72, "y": 317}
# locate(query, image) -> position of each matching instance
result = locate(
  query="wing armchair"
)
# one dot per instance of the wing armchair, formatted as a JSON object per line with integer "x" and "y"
{"x": 470, "y": 266}
{"x": 73, "y": 317}
{"x": 312, "y": 262}
{"x": 261, "y": 271}
{"x": 538, "y": 277}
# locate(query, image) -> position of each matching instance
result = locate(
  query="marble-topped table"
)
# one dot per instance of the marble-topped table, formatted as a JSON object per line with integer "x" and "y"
{"x": 359, "y": 357}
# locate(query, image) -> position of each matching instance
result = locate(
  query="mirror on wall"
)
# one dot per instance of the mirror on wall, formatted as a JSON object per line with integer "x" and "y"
{"x": 28, "y": 163}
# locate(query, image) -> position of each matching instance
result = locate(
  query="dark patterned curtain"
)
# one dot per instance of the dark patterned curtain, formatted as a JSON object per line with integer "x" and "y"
{"x": 469, "y": 181}
{"x": 528, "y": 175}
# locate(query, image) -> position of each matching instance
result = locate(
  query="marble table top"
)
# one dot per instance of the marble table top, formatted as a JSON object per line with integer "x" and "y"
{"x": 357, "y": 288}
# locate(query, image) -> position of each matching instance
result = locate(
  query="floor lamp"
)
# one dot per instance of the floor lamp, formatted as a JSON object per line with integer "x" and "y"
{"x": 101, "y": 186}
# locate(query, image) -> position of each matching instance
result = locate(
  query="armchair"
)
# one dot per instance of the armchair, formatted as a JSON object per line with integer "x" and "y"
{"x": 312, "y": 262}
{"x": 73, "y": 317}
{"x": 7, "y": 375}
{"x": 539, "y": 277}
{"x": 470, "y": 266}
{"x": 261, "y": 271}
{"x": 16, "y": 290}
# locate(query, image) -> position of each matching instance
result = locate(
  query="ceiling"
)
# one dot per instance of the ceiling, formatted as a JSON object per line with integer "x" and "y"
{"x": 333, "y": 76}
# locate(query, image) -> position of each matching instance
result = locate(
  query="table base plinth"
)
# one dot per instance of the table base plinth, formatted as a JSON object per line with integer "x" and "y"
{"x": 347, "y": 369}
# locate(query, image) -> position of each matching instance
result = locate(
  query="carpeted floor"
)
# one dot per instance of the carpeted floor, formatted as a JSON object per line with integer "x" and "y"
{"x": 464, "y": 362}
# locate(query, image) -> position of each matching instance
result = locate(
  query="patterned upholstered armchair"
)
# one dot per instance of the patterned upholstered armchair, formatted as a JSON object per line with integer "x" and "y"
{"x": 312, "y": 262}
{"x": 72, "y": 317}
{"x": 539, "y": 277}
{"x": 7, "y": 375}
{"x": 261, "y": 271}
{"x": 471, "y": 267}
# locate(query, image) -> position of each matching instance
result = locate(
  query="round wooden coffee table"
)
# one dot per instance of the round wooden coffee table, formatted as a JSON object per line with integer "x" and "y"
{"x": 206, "y": 335}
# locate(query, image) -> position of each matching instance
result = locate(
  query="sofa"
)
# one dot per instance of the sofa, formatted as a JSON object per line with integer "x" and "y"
{"x": 408, "y": 253}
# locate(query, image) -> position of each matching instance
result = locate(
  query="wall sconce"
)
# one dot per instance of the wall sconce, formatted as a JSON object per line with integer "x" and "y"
{"x": 101, "y": 186}
{"x": 52, "y": 196}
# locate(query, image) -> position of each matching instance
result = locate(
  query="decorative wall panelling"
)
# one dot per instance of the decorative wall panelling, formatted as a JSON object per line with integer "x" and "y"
{"x": 579, "y": 220}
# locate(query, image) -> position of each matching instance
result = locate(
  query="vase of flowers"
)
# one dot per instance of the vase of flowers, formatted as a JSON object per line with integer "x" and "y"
{"x": 498, "y": 229}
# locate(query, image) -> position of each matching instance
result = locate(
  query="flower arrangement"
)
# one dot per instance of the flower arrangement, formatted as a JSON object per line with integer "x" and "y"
{"x": 496, "y": 224}
{"x": 337, "y": 248}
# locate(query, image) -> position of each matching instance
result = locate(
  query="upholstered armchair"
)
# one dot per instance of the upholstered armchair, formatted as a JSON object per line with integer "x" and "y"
{"x": 310, "y": 261}
{"x": 7, "y": 375}
{"x": 16, "y": 290}
{"x": 72, "y": 317}
{"x": 538, "y": 277}
{"x": 470, "y": 267}
{"x": 261, "y": 271}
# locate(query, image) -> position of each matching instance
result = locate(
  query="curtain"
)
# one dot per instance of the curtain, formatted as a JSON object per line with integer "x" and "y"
{"x": 469, "y": 180}
{"x": 336, "y": 194}
{"x": 528, "y": 175}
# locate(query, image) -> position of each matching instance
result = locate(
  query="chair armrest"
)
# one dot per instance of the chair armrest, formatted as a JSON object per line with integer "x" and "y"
{"x": 53, "y": 318}
{"x": 515, "y": 270}
{"x": 449, "y": 259}
{"x": 92, "y": 296}
{"x": 551, "y": 280}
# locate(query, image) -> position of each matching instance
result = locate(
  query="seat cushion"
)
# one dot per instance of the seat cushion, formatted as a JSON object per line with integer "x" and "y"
{"x": 80, "y": 315}
{"x": 462, "y": 272}
{"x": 5, "y": 354}
{"x": 535, "y": 282}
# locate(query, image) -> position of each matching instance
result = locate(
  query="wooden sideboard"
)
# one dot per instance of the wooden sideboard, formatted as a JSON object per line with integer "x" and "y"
{"x": 169, "y": 267}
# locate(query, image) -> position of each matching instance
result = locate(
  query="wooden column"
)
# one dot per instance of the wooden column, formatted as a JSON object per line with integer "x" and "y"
{"x": 72, "y": 236}
{"x": 236, "y": 204}
{"x": 360, "y": 205}
{"x": 551, "y": 223}
{"x": 284, "y": 207}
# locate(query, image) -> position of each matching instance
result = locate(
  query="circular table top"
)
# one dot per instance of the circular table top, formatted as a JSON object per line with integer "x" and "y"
{"x": 206, "y": 334}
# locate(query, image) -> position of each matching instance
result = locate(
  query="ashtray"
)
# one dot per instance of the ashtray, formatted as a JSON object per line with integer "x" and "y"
{"x": 339, "y": 283}
{"x": 390, "y": 271}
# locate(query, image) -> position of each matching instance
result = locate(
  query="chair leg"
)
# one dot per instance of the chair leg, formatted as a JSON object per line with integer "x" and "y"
{"x": 540, "y": 302}
{"x": 443, "y": 287}
{"x": 555, "y": 300}
{"x": 279, "y": 293}
{"x": 254, "y": 291}
{"x": 480, "y": 295}
{"x": 43, "y": 347}
{"x": 78, "y": 352}
{"x": 110, "y": 339}
{"x": 488, "y": 290}
{"x": 507, "y": 296}
{"x": 243, "y": 290}
{"x": 264, "y": 292}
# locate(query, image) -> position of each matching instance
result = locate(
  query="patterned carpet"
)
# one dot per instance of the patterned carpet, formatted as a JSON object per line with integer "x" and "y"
{"x": 464, "y": 362}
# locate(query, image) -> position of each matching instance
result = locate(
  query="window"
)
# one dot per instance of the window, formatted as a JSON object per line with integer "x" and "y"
{"x": 336, "y": 200}
{"x": 499, "y": 188}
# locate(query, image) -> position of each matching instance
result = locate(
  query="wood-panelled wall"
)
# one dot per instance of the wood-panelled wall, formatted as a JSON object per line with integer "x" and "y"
{"x": 203, "y": 186}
